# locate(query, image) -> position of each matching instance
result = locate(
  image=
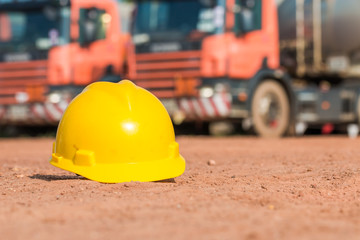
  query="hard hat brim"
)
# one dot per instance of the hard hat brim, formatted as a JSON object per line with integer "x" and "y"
{"x": 145, "y": 171}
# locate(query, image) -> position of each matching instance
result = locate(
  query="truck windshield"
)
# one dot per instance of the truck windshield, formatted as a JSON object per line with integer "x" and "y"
{"x": 178, "y": 17}
{"x": 32, "y": 30}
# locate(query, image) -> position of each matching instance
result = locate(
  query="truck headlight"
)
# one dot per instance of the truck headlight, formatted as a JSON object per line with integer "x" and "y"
{"x": 54, "y": 97}
{"x": 206, "y": 92}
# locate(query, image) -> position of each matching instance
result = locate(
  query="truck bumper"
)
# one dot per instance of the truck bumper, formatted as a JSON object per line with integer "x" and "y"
{"x": 33, "y": 113}
{"x": 199, "y": 109}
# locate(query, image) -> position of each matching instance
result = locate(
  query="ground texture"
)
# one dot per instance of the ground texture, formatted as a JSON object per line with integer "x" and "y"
{"x": 233, "y": 188}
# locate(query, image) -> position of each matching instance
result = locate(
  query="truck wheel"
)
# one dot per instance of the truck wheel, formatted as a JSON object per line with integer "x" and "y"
{"x": 270, "y": 110}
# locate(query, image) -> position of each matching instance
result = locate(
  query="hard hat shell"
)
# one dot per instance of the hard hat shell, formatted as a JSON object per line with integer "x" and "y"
{"x": 117, "y": 132}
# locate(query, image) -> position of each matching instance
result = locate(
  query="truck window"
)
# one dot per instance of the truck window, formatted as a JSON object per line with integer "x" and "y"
{"x": 94, "y": 23}
{"x": 37, "y": 29}
{"x": 176, "y": 18}
{"x": 250, "y": 14}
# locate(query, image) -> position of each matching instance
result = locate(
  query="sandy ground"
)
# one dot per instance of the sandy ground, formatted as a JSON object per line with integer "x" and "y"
{"x": 304, "y": 188}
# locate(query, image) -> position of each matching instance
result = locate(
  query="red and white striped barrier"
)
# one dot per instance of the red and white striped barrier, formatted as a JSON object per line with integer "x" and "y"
{"x": 218, "y": 106}
{"x": 50, "y": 112}
{"x": 35, "y": 113}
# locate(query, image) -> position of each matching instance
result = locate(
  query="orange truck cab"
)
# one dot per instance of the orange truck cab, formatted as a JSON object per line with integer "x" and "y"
{"x": 50, "y": 50}
{"x": 206, "y": 60}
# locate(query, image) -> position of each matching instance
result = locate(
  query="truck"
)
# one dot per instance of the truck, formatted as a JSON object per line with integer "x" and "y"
{"x": 50, "y": 50}
{"x": 274, "y": 67}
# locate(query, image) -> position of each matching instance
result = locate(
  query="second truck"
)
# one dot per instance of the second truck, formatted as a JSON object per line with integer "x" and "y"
{"x": 272, "y": 67}
{"x": 50, "y": 50}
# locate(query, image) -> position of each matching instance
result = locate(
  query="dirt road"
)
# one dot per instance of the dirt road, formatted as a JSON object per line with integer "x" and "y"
{"x": 305, "y": 188}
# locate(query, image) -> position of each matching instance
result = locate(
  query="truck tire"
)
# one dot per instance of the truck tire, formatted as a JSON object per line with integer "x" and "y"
{"x": 270, "y": 110}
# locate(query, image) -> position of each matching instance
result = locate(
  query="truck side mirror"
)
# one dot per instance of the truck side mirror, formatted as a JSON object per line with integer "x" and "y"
{"x": 88, "y": 26}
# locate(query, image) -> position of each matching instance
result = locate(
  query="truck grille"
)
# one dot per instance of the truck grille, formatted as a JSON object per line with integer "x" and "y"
{"x": 159, "y": 72}
{"x": 22, "y": 82}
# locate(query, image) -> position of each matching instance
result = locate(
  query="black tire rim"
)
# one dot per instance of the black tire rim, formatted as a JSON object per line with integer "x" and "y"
{"x": 270, "y": 110}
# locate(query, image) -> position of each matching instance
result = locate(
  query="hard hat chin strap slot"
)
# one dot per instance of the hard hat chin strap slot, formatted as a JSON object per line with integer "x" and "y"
{"x": 84, "y": 158}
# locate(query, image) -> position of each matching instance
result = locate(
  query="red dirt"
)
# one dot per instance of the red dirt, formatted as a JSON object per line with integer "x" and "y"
{"x": 305, "y": 188}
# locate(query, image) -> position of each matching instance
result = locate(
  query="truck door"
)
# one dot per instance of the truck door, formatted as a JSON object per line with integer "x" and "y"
{"x": 256, "y": 38}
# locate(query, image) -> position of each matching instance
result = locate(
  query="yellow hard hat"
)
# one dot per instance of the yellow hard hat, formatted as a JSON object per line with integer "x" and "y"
{"x": 117, "y": 132}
